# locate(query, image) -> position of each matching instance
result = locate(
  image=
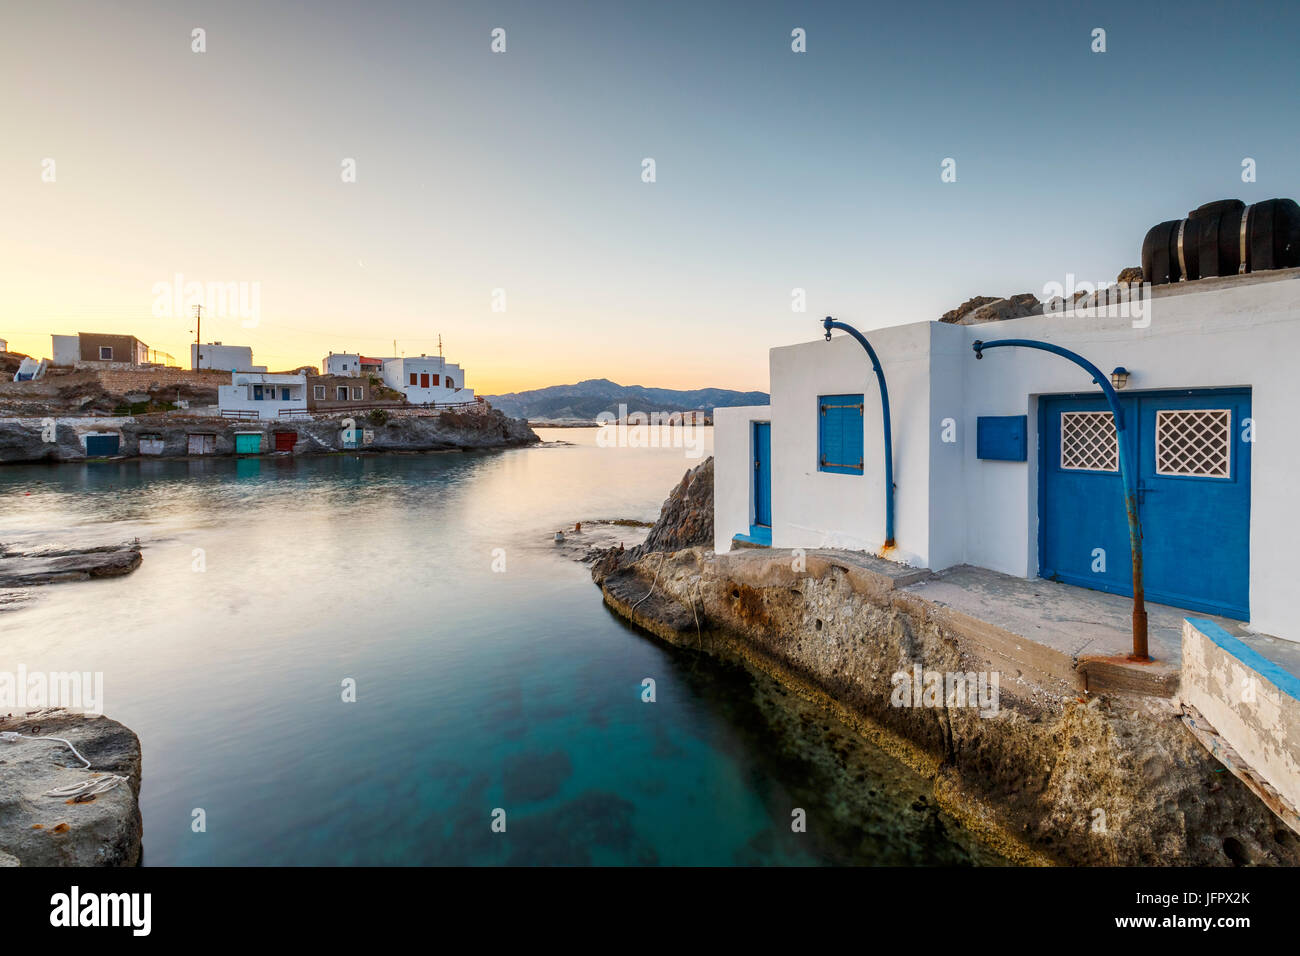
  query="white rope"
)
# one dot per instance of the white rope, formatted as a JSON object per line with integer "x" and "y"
{"x": 90, "y": 787}
{"x": 662, "y": 556}
{"x": 87, "y": 788}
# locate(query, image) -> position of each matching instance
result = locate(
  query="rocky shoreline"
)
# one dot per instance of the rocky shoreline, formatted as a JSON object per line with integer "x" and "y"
{"x": 1047, "y": 778}
{"x": 29, "y": 440}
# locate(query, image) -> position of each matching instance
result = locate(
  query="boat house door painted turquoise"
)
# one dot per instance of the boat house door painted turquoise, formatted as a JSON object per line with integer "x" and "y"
{"x": 1191, "y": 451}
{"x": 762, "y": 480}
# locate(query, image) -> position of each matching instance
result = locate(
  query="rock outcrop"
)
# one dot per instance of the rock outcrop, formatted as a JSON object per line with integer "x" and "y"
{"x": 18, "y": 569}
{"x": 984, "y": 308}
{"x": 37, "y": 829}
{"x": 685, "y": 520}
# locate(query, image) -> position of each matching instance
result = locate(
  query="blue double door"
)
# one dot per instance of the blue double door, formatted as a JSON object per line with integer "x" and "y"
{"x": 1191, "y": 451}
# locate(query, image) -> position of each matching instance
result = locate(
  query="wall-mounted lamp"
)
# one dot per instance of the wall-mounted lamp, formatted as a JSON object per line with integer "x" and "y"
{"x": 1119, "y": 377}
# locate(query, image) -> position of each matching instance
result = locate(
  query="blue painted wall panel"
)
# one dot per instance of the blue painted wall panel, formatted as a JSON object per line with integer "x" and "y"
{"x": 1002, "y": 437}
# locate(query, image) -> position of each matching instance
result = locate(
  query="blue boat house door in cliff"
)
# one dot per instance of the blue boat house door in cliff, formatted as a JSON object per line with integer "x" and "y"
{"x": 1192, "y": 454}
{"x": 761, "y": 528}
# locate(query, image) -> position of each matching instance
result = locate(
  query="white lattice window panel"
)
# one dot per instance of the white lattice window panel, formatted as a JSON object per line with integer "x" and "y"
{"x": 1088, "y": 441}
{"x": 1194, "y": 443}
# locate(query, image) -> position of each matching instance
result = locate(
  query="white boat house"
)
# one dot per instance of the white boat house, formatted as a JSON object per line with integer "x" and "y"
{"x": 1011, "y": 461}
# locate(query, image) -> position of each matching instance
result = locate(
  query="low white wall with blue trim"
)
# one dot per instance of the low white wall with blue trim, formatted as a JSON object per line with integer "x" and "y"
{"x": 1253, "y": 703}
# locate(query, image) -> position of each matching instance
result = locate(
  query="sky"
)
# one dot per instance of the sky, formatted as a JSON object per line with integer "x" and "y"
{"x": 500, "y": 198}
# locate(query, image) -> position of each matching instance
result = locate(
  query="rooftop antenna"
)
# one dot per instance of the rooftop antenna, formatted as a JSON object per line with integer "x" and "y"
{"x": 440, "y": 359}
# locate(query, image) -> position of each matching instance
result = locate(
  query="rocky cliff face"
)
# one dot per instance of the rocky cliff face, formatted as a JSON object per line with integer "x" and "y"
{"x": 29, "y": 439}
{"x": 686, "y": 519}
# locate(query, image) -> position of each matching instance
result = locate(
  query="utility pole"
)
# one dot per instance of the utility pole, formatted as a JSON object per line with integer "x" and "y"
{"x": 198, "y": 337}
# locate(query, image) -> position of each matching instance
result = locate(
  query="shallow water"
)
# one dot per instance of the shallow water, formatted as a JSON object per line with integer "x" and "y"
{"x": 268, "y": 582}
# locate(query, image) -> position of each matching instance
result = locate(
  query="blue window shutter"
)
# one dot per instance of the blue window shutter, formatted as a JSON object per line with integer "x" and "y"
{"x": 839, "y": 434}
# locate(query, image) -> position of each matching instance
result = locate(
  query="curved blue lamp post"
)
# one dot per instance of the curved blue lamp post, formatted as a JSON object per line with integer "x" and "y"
{"x": 884, "y": 406}
{"x": 1127, "y": 476}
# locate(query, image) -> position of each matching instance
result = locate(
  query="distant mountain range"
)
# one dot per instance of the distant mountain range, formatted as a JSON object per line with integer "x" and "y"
{"x": 588, "y": 399}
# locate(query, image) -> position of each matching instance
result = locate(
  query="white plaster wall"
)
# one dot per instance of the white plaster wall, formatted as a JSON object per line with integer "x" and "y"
{"x": 67, "y": 349}
{"x": 815, "y": 509}
{"x": 229, "y": 358}
{"x": 733, "y": 467}
{"x": 333, "y": 364}
{"x": 949, "y": 356}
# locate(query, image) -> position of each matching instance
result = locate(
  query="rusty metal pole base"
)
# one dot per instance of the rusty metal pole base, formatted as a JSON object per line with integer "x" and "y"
{"x": 1140, "y": 654}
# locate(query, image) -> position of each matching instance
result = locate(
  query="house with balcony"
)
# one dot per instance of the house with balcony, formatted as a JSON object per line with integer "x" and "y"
{"x": 262, "y": 395}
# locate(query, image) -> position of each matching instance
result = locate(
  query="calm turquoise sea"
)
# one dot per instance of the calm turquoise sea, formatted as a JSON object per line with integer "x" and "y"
{"x": 267, "y": 583}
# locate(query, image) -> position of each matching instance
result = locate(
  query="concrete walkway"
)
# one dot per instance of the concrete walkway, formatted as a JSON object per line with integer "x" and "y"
{"x": 1056, "y": 634}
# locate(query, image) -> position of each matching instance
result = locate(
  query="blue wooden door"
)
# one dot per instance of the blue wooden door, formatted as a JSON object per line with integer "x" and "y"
{"x": 1191, "y": 451}
{"x": 763, "y": 474}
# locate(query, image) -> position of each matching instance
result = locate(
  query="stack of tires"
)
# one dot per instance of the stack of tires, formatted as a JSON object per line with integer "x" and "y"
{"x": 1223, "y": 238}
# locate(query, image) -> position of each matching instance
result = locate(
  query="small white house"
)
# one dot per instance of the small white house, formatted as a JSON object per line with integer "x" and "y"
{"x": 264, "y": 395}
{"x": 427, "y": 380}
{"x": 1010, "y": 462}
{"x": 341, "y": 363}
{"x": 227, "y": 358}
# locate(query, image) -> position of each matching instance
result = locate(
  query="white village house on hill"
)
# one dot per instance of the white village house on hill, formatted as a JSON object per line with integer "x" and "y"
{"x": 1010, "y": 462}
{"x": 425, "y": 380}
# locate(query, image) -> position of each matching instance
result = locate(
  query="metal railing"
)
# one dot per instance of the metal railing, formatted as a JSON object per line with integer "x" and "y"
{"x": 397, "y": 408}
